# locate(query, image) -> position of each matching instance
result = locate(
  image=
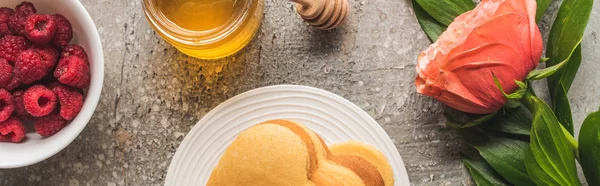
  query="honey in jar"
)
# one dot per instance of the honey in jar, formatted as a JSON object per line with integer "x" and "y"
{"x": 206, "y": 29}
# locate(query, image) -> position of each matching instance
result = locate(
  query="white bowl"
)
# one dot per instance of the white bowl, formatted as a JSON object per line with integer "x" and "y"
{"x": 35, "y": 148}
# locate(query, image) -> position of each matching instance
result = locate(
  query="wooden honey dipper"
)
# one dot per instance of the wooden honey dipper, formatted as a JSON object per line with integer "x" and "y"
{"x": 322, "y": 14}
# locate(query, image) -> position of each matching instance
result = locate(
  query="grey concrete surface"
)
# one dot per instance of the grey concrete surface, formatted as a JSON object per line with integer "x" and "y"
{"x": 153, "y": 95}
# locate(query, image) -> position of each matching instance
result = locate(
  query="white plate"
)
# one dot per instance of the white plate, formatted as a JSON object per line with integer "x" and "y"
{"x": 331, "y": 116}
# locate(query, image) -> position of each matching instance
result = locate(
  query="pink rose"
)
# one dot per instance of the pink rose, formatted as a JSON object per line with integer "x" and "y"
{"x": 498, "y": 38}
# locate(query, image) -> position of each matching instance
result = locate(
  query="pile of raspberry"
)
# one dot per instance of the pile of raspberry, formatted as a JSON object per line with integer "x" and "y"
{"x": 42, "y": 77}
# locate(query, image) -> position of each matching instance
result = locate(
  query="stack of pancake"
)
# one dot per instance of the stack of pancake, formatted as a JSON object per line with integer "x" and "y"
{"x": 282, "y": 153}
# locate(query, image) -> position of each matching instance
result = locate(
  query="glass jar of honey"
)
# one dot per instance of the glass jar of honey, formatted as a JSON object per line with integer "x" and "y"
{"x": 205, "y": 29}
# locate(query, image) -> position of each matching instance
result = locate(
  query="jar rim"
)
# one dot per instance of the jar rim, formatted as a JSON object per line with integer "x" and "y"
{"x": 190, "y": 38}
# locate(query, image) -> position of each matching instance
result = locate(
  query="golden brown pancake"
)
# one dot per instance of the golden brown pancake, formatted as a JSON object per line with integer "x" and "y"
{"x": 263, "y": 155}
{"x": 367, "y": 152}
{"x": 282, "y": 152}
{"x": 326, "y": 172}
{"x": 363, "y": 168}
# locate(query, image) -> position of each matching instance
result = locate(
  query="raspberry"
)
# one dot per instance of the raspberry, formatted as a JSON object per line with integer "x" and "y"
{"x": 5, "y": 14}
{"x": 30, "y": 67}
{"x": 16, "y": 22}
{"x": 73, "y": 71}
{"x": 25, "y": 8}
{"x": 13, "y": 84}
{"x": 64, "y": 31}
{"x": 49, "y": 125}
{"x": 39, "y": 101}
{"x": 70, "y": 99}
{"x": 75, "y": 50}
{"x": 12, "y": 130}
{"x": 12, "y": 46}
{"x": 5, "y": 72}
{"x": 19, "y": 105}
{"x": 7, "y": 105}
{"x": 40, "y": 29}
{"x": 48, "y": 53}
{"x": 4, "y": 30}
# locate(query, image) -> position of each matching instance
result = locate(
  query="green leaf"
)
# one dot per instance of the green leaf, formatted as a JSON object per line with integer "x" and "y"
{"x": 482, "y": 173}
{"x": 521, "y": 84}
{"x": 505, "y": 155}
{"x": 568, "y": 29}
{"x": 562, "y": 108}
{"x": 512, "y": 121}
{"x": 535, "y": 170}
{"x": 432, "y": 28}
{"x": 446, "y": 10}
{"x": 567, "y": 74}
{"x": 558, "y": 93}
{"x": 512, "y": 104}
{"x": 544, "y": 73}
{"x": 454, "y": 123}
{"x": 515, "y": 96}
{"x": 542, "y": 5}
{"x": 550, "y": 160}
{"x": 589, "y": 148}
{"x": 564, "y": 44}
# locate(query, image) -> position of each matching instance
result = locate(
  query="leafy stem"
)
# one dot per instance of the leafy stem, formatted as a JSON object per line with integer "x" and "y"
{"x": 528, "y": 101}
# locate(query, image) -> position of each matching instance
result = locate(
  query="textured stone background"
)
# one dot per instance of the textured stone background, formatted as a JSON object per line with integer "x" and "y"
{"x": 153, "y": 94}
